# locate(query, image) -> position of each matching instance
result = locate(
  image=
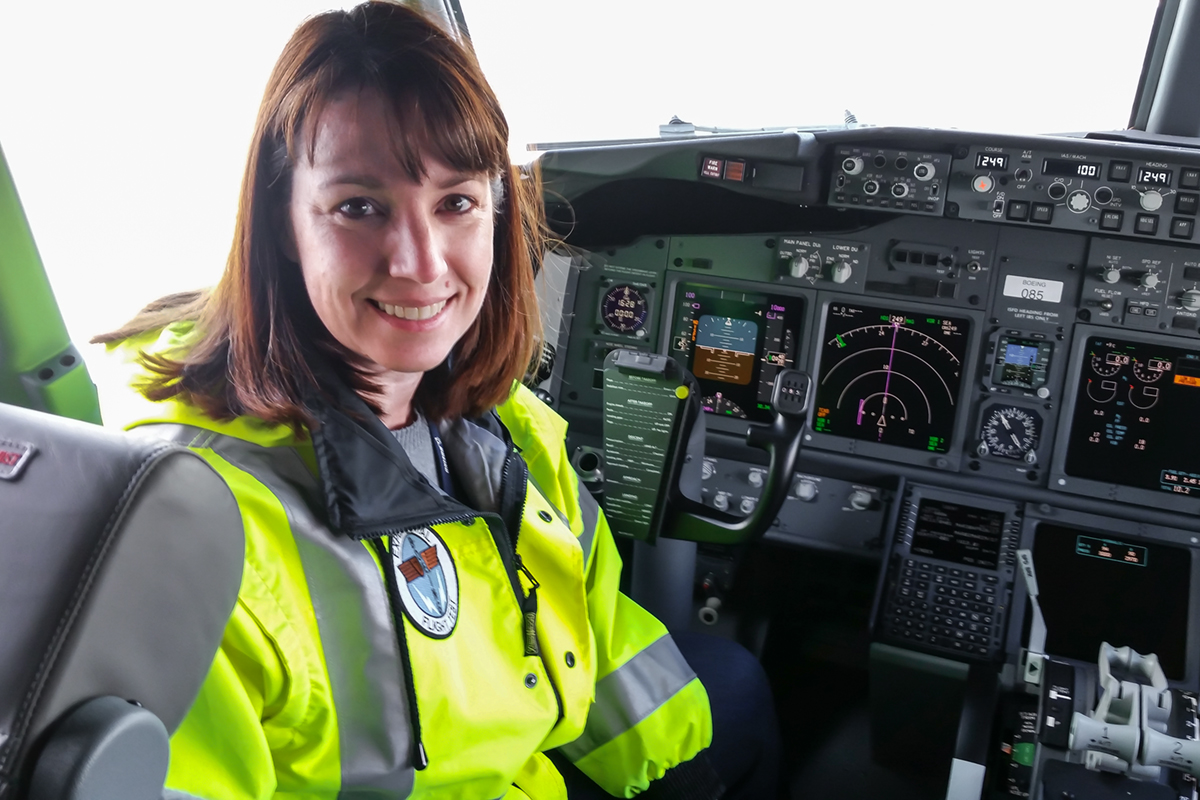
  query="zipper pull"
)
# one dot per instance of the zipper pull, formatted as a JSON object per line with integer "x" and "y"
{"x": 529, "y": 610}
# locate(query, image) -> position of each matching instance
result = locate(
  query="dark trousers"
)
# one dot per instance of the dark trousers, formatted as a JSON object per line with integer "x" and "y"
{"x": 745, "y": 746}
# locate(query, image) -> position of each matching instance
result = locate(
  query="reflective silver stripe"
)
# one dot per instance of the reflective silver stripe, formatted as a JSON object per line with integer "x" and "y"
{"x": 175, "y": 794}
{"x": 589, "y": 509}
{"x": 353, "y": 616}
{"x": 631, "y": 693}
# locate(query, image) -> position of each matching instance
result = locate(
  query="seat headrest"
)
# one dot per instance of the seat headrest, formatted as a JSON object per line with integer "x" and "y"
{"x": 120, "y": 562}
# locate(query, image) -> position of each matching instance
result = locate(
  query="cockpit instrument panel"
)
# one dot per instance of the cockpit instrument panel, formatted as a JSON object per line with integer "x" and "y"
{"x": 735, "y": 343}
{"x": 1135, "y": 405}
{"x": 890, "y": 376}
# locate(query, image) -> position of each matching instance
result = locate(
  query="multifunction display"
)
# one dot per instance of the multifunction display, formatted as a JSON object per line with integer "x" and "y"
{"x": 735, "y": 343}
{"x": 890, "y": 376}
{"x": 1135, "y": 406}
{"x": 959, "y": 533}
{"x": 1021, "y": 362}
{"x": 1095, "y": 588}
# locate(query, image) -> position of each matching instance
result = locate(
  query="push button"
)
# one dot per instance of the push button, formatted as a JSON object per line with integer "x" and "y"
{"x": 1120, "y": 171}
{"x": 1111, "y": 220}
{"x": 1146, "y": 223}
{"x": 1189, "y": 179}
{"x": 1018, "y": 210}
{"x": 1042, "y": 212}
{"x": 1182, "y": 227}
{"x": 1187, "y": 203}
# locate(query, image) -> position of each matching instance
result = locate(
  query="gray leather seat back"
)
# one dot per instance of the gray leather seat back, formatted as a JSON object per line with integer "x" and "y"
{"x": 120, "y": 562}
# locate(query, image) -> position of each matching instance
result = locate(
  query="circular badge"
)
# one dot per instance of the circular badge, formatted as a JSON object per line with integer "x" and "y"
{"x": 428, "y": 582}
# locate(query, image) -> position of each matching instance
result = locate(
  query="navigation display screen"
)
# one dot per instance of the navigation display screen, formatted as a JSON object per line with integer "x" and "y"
{"x": 890, "y": 376}
{"x": 1134, "y": 406}
{"x": 735, "y": 343}
{"x": 962, "y": 534}
{"x": 1095, "y": 588}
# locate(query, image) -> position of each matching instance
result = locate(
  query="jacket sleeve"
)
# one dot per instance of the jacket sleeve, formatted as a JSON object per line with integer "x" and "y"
{"x": 650, "y": 711}
{"x": 220, "y": 750}
{"x": 263, "y": 721}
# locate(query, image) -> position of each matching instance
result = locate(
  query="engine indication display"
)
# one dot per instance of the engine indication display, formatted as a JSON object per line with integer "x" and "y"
{"x": 1133, "y": 405}
{"x": 890, "y": 377}
{"x": 735, "y": 343}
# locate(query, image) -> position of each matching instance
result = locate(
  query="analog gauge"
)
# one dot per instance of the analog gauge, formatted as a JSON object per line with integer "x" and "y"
{"x": 1150, "y": 370}
{"x": 1106, "y": 364}
{"x": 719, "y": 404}
{"x": 1010, "y": 432}
{"x": 624, "y": 309}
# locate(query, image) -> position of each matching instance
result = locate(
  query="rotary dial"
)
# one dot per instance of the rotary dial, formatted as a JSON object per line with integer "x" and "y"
{"x": 1011, "y": 432}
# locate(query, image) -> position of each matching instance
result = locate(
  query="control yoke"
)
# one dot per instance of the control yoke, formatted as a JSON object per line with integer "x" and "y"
{"x": 654, "y": 450}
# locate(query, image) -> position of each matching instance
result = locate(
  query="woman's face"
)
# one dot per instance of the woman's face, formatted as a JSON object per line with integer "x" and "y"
{"x": 397, "y": 270}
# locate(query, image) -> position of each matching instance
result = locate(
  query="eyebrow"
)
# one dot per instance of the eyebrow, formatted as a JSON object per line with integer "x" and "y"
{"x": 368, "y": 181}
{"x": 353, "y": 179}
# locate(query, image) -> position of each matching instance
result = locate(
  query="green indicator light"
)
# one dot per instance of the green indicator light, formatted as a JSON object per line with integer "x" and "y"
{"x": 931, "y": 320}
{"x": 1023, "y": 753}
{"x": 908, "y": 322}
{"x": 884, "y": 317}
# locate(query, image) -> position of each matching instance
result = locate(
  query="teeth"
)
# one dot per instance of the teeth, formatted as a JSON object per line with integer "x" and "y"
{"x": 423, "y": 312}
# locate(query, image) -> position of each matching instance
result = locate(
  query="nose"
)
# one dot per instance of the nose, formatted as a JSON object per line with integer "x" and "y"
{"x": 414, "y": 248}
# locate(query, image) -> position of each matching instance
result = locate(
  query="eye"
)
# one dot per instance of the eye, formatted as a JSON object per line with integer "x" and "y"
{"x": 458, "y": 204}
{"x": 357, "y": 208}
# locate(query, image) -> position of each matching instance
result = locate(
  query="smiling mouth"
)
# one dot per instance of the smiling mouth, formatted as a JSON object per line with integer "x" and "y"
{"x": 410, "y": 312}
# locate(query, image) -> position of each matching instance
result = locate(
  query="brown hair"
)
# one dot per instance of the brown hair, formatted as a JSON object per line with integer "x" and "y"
{"x": 259, "y": 344}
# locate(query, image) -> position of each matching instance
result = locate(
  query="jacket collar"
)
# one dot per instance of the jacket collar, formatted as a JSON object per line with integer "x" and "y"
{"x": 371, "y": 489}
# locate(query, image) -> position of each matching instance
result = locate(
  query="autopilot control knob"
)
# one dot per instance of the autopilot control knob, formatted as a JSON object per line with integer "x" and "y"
{"x": 798, "y": 266}
{"x": 1190, "y": 300}
{"x": 1152, "y": 200}
{"x": 1111, "y": 275}
{"x": 1149, "y": 280}
{"x": 747, "y": 505}
{"x": 853, "y": 165}
{"x": 805, "y": 490}
{"x": 721, "y": 502}
{"x": 755, "y": 479}
{"x": 841, "y": 272}
{"x": 707, "y": 470}
{"x": 1079, "y": 201}
{"x": 860, "y": 500}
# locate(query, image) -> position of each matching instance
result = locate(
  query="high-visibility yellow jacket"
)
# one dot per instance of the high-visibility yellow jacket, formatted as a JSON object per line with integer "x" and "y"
{"x": 383, "y": 626}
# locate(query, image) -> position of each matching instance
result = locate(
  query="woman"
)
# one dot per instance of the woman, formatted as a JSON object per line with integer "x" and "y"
{"x": 429, "y": 602}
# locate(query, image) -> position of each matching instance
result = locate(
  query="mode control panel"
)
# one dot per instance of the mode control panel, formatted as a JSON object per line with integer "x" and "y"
{"x": 905, "y": 181}
{"x": 950, "y": 573}
{"x": 1075, "y": 191}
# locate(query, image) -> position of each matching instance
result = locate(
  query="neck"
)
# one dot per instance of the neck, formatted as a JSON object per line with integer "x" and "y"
{"x": 396, "y": 390}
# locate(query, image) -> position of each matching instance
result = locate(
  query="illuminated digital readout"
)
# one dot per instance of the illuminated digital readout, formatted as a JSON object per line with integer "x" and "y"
{"x": 1133, "y": 404}
{"x": 735, "y": 343}
{"x": 1153, "y": 176}
{"x": 962, "y": 534}
{"x": 991, "y": 161}
{"x": 1111, "y": 550}
{"x": 890, "y": 376}
{"x": 1070, "y": 168}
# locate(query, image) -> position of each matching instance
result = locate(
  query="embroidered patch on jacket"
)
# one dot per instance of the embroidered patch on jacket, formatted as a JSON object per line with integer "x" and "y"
{"x": 428, "y": 581}
{"x": 13, "y": 458}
